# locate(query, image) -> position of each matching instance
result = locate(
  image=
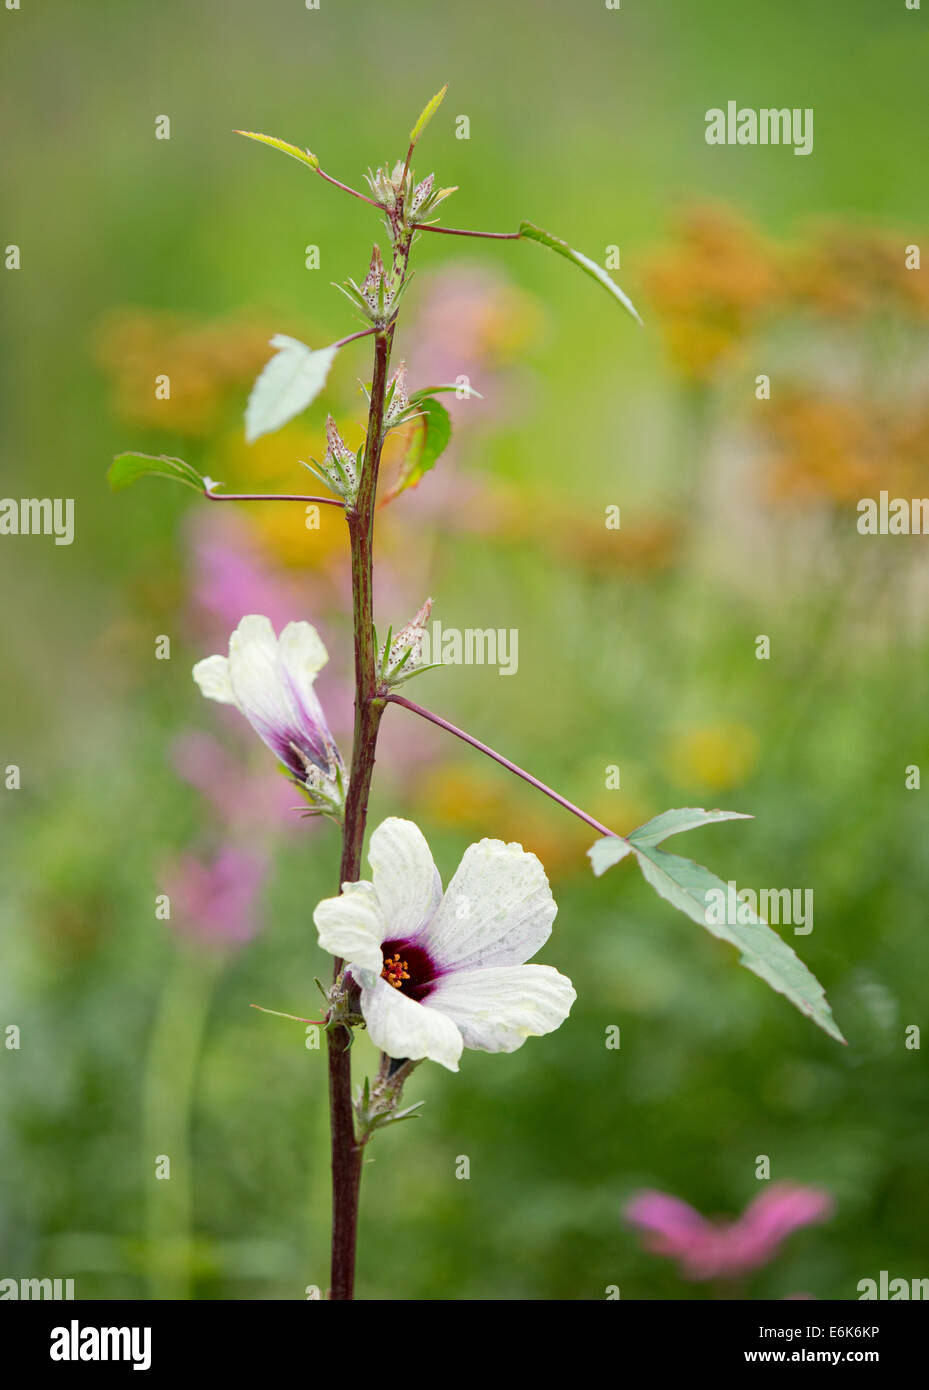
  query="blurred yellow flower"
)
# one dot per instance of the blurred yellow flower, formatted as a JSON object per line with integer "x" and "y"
{"x": 479, "y": 800}
{"x": 272, "y": 464}
{"x": 714, "y": 757}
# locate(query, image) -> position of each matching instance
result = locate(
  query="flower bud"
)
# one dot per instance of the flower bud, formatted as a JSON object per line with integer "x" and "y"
{"x": 373, "y": 281}
{"x": 421, "y": 193}
{"x": 397, "y": 396}
{"x": 402, "y": 656}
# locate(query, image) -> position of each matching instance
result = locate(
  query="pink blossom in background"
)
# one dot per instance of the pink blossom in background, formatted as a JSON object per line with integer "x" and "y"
{"x": 468, "y": 323}
{"x": 215, "y": 900}
{"x": 464, "y": 325}
{"x": 242, "y": 798}
{"x": 726, "y": 1249}
{"x": 231, "y": 577}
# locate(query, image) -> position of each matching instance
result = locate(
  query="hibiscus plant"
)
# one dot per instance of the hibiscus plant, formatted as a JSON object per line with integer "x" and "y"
{"x": 426, "y": 973}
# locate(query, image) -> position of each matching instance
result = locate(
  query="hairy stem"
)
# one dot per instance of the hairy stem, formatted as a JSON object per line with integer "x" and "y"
{"x": 346, "y": 1152}
{"x": 270, "y": 497}
{"x": 504, "y": 762}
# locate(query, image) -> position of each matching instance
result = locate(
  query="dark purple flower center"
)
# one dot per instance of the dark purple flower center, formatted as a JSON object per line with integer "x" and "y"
{"x": 409, "y": 968}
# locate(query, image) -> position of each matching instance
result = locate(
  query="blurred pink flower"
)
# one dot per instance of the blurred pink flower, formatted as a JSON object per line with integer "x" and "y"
{"x": 725, "y": 1249}
{"x": 231, "y": 577}
{"x": 472, "y": 321}
{"x": 215, "y": 900}
{"x": 243, "y": 799}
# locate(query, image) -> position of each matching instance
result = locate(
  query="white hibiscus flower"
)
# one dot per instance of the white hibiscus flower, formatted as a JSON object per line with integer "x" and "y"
{"x": 438, "y": 974}
{"x": 270, "y": 679}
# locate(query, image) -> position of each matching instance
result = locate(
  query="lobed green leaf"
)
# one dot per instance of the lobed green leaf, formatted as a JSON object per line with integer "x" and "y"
{"x": 685, "y": 885}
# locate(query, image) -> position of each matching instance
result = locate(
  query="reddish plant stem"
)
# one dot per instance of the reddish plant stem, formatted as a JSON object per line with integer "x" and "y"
{"x": 459, "y": 231}
{"x": 346, "y": 189}
{"x": 353, "y": 337}
{"x": 269, "y": 497}
{"x": 346, "y": 1153}
{"x": 504, "y": 762}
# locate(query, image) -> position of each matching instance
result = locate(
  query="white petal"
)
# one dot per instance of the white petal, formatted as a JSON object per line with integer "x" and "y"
{"x": 303, "y": 653}
{"x": 212, "y": 676}
{"x": 273, "y": 684}
{"x": 351, "y": 926}
{"x": 401, "y": 1027}
{"x": 301, "y": 656}
{"x": 497, "y": 910}
{"x": 498, "y": 1009}
{"x": 256, "y": 680}
{"x": 407, "y": 881}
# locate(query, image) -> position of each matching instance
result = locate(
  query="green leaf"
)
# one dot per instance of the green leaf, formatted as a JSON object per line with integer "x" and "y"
{"x": 531, "y": 232}
{"x": 685, "y": 885}
{"x": 126, "y": 468}
{"x": 433, "y": 432}
{"x": 467, "y": 392}
{"x": 427, "y": 114}
{"x": 674, "y": 822}
{"x": 412, "y": 1112}
{"x": 305, "y": 156}
{"x": 291, "y": 380}
{"x": 607, "y": 852}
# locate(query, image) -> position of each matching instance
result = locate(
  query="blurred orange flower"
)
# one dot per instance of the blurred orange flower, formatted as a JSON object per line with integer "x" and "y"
{"x": 847, "y": 271}
{"x": 205, "y": 363}
{"x": 712, "y": 289}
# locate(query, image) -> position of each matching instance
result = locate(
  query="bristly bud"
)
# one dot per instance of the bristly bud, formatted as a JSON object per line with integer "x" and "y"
{"x": 421, "y": 193}
{"x": 373, "y": 281}
{"x": 339, "y": 468}
{"x": 338, "y": 449}
{"x": 402, "y": 656}
{"x": 390, "y": 188}
{"x": 397, "y": 401}
{"x": 426, "y": 198}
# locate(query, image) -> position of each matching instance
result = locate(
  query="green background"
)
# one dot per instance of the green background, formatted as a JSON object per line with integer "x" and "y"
{"x": 591, "y": 123}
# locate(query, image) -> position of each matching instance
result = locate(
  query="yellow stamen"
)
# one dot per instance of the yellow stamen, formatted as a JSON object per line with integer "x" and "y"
{"x": 395, "y": 971}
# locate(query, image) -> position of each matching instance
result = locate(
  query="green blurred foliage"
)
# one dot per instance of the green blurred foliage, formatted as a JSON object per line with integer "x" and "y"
{"x": 590, "y": 121}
